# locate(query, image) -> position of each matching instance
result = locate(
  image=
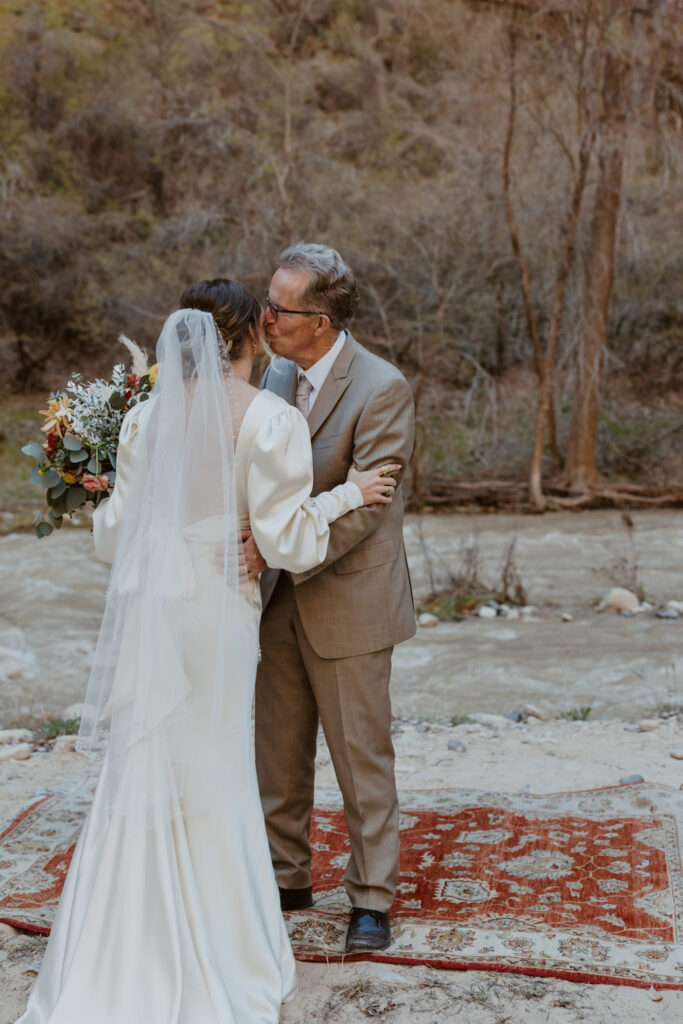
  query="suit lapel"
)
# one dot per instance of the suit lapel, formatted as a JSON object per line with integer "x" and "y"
{"x": 281, "y": 379}
{"x": 336, "y": 383}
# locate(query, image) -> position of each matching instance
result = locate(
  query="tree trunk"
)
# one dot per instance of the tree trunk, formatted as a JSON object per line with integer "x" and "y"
{"x": 582, "y": 471}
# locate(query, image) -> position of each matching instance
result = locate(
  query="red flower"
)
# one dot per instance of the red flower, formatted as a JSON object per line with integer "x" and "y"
{"x": 95, "y": 483}
{"x": 132, "y": 380}
{"x": 50, "y": 444}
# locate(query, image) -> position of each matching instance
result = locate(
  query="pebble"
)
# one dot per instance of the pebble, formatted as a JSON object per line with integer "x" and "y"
{"x": 7, "y": 932}
{"x": 513, "y": 716}
{"x": 513, "y": 613}
{"x": 533, "y": 712}
{"x": 566, "y": 617}
{"x": 647, "y": 607}
{"x": 458, "y": 746}
{"x": 666, "y": 613}
{"x": 484, "y": 611}
{"x": 492, "y": 721}
{"x": 654, "y": 994}
{"x": 528, "y": 609}
{"x": 620, "y": 599}
{"x": 17, "y": 753}
{"x": 676, "y": 754}
{"x": 627, "y": 615}
{"x": 64, "y": 743}
{"x": 15, "y": 736}
{"x": 649, "y": 724}
{"x": 677, "y": 606}
{"x": 74, "y": 711}
{"x": 631, "y": 728}
{"x": 628, "y": 779}
{"x": 494, "y": 605}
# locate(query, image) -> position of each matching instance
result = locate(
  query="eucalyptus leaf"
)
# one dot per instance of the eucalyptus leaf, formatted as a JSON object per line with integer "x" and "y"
{"x": 56, "y": 520}
{"x": 35, "y": 519}
{"x": 75, "y": 497}
{"x": 59, "y": 505}
{"x": 35, "y": 450}
{"x": 48, "y": 479}
{"x": 71, "y": 443}
{"x": 43, "y": 530}
{"x": 57, "y": 490}
{"x": 117, "y": 400}
{"x": 93, "y": 466}
{"x": 80, "y": 456}
{"x": 144, "y": 396}
{"x": 111, "y": 477}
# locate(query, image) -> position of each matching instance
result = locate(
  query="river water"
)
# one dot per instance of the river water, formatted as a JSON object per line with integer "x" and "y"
{"x": 52, "y": 595}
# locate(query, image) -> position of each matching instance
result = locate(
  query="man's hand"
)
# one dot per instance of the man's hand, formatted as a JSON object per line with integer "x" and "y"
{"x": 253, "y": 559}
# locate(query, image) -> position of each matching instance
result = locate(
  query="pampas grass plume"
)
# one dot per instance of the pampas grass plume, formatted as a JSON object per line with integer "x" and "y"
{"x": 140, "y": 361}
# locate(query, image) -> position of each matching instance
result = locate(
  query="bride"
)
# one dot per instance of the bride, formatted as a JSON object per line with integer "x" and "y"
{"x": 170, "y": 913}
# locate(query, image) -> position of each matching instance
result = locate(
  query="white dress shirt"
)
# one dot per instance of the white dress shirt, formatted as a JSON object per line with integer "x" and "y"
{"x": 317, "y": 374}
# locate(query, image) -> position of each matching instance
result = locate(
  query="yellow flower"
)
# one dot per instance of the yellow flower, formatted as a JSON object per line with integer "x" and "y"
{"x": 69, "y": 478}
{"x": 152, "y": 374}
{"x": 57, "y": 415}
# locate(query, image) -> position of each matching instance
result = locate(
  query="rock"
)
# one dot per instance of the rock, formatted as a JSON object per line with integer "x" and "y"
{"x": 631, "y": 728}
{"x": 649, "y": 724}
{"x": 513, "y": 613}
{"x": 484, "y": 611}
{"x": 533, "y": 712}
{"x": 7, "y": 932}
{"x": 73, "y": 711}
{"x": 504, "y": 610}
{"x": 427, "y": 620}
{"x": 528, "y": 609}
{"x": 566, "y": 617}
{"x": 628, "y": 779}
{"x": 627, "y": 615}
{"x": 666, "y": 613}
{"x": 677, "y": 606}
{"x": 15, "y": 753}
{"x": 457, "y": 746}
{"x": 514, "y": 716}
{"x": 15, "y": 736}
{"x": 64, "y": 743}
{"x": 676, "y": 754}
{"x": 490, "y": 721}
{"x": 493, "y": 604}
{"x": 621, "y": 600}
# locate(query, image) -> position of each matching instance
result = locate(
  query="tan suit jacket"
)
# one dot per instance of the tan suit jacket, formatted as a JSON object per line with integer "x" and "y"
{"x": 359, "y": 600}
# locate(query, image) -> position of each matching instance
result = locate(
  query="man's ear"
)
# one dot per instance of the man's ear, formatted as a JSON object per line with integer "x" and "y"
{"x": 323, "y": 323}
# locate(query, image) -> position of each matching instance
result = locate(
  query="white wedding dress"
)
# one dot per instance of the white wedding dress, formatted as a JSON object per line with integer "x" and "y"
{"x": 181, "y": 923}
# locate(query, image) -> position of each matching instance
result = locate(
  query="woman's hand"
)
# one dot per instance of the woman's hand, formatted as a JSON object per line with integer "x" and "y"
{"x": 376, "y": 485}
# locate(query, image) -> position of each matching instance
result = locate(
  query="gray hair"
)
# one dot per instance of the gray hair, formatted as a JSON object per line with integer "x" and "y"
{"x": 332, "y": 288}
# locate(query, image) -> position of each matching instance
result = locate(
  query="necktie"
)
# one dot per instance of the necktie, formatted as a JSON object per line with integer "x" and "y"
{"x": 303, "y": 394}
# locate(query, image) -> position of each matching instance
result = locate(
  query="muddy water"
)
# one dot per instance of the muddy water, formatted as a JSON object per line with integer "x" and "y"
{"x": 52, "y": 594}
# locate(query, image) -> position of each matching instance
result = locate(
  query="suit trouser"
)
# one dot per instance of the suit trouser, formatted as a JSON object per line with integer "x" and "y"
{"x": 295, "y": 688}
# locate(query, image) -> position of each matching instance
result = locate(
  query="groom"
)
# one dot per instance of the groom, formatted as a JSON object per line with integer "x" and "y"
{"x": 327, "y": 635}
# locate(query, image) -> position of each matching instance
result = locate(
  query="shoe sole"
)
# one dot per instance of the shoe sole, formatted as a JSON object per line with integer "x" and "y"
{"x": 368, "y": 949}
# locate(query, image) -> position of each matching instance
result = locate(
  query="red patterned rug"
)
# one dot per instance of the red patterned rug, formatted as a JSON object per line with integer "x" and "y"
{"x": 583, "y": 886}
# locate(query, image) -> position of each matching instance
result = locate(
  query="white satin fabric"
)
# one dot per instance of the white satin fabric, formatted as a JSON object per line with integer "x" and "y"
{"x": 181, "y": 923}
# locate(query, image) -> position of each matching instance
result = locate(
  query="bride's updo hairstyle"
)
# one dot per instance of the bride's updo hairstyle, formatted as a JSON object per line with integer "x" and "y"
{"x": 234, "y": 308}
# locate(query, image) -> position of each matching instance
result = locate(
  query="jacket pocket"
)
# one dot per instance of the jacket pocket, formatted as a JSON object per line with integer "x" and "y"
{"x": 367, "y": 557}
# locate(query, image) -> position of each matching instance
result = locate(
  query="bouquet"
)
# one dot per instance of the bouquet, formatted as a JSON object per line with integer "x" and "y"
{"x": 76, "y": 464}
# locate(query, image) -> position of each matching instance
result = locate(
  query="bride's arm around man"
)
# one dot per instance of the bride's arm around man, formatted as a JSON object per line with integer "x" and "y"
{"x": 327, "y": 635}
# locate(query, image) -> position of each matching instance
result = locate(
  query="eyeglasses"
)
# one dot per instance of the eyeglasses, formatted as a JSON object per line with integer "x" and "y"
{"x": 276, "y": 310}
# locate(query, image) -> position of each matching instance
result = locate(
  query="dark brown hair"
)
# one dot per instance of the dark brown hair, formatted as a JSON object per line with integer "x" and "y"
{"x": 234, "y": 308}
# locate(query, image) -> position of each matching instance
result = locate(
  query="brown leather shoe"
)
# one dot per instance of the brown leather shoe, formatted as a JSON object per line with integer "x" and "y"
{"x": 296, "y": 899}
{"x": 368, "y": 930}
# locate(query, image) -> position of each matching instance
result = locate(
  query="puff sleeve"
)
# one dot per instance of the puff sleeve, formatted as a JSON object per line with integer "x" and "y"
{"x": 107, "y": 516}
{"x": 290, "y": 527}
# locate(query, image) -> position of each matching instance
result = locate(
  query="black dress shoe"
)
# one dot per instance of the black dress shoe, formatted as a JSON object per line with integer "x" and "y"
{"x": 369, "y": 930}
{"x": 296, "y": 899}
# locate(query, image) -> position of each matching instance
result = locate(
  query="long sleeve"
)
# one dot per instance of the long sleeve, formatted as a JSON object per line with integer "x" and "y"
{"x": 290, "y": 527}
{"x": 107, "y": 516}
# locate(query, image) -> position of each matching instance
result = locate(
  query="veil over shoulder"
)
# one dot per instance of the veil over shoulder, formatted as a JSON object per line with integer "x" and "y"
{"x": 140, "y": 695}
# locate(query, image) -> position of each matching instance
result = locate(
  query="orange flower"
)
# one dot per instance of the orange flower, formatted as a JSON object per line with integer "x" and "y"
{"x": 95, "y": 483}
{"x": 57, "y": 415}
{"x": 69, "y": 478}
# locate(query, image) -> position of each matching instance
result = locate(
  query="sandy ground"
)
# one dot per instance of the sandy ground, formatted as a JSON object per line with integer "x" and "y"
{"x": 624, "y": 669}
{"x": 502, "y": 756}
